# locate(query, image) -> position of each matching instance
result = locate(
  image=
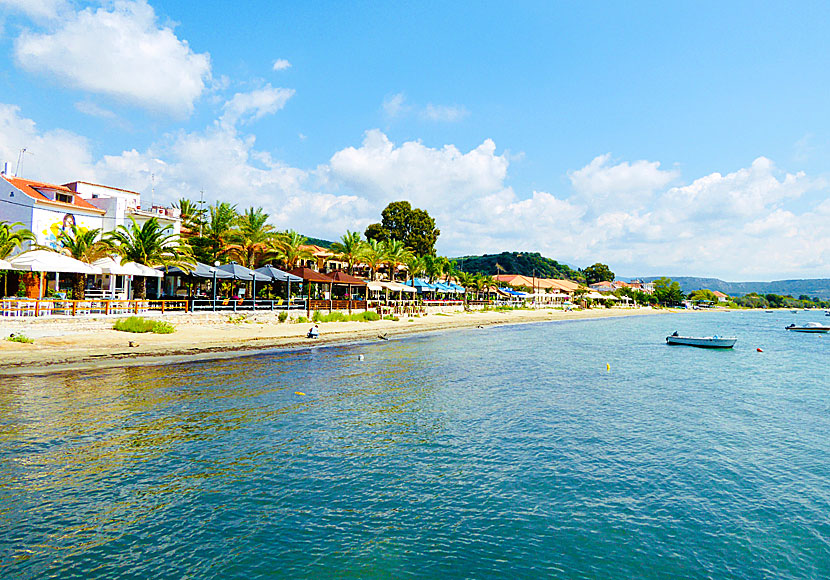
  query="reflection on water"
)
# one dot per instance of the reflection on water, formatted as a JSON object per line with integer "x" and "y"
{"x": 484, "y": 453}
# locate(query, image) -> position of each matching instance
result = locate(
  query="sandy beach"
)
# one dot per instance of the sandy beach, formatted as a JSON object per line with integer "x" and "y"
{"x": 67, "y": 344}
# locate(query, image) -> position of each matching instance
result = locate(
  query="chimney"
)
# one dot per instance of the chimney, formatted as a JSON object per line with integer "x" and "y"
{"x": 5, "y": 168}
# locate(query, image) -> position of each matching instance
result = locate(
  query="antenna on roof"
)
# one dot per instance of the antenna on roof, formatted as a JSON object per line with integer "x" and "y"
{"x": 20, "y": 160}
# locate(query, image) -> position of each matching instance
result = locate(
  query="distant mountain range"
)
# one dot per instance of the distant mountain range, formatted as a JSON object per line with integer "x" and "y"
{"x": 816, "y": 288}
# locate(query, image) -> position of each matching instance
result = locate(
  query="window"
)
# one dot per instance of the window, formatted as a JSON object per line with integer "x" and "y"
{"x": 64, "y": 197}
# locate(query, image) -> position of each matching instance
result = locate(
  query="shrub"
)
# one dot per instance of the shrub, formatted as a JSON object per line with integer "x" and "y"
{"x": 19, "y": 338}
{"x": 283, "y": 316}
{"x": 138, "y": 325}
{"x": 302, "y": 320}
{"x": 368, "y": 316}
{"x": 316, "y": 316}
{"x": 391, "y": 317}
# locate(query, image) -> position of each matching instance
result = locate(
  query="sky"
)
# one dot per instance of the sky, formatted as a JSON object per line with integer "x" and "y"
{"x": 688, "y": 140}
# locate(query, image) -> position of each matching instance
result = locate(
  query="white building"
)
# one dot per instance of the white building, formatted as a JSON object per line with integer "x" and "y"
{"x": 47, "y": 209}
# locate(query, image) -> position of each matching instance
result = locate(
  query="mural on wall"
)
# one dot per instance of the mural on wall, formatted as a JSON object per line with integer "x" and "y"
{"x": 52, "y": 233}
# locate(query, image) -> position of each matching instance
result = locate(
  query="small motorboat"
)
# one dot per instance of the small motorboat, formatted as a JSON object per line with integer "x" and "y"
{"x": 702, "y": 341}
{"x": 808, "y": 327}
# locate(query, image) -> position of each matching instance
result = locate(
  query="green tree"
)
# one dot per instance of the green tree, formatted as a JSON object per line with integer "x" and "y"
{"x": 415, "y": 266}
{"x": 192, "y": 216}
{"x": 85, "y": 245}
{"x": 667, "y": 291}
{"x": 150, "y": 245}
{"x": 395, "y": 254}
{"x": 703, "y": 295}
{"x": 349, "y": 249}
{"x": 249, "y": 240}
{"x": 287, "y": 247}
{"x": 12, "y": 237}
{"x": 218, "y": 230}
{"x": 598, "y": 273}
{"x": 414, "y": 227}
{"x": 374, "y": 255}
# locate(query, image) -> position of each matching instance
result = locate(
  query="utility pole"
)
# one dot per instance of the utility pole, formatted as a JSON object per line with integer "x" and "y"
{"x": 201, "y": 210}
{"x": 23, "y": 151}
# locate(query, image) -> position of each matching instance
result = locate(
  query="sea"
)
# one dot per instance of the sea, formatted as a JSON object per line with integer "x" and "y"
{"x": 584, "y": 449}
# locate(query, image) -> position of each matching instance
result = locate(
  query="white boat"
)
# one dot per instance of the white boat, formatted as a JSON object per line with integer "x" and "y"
{"x": 702, "y": 341}
{"x": 808, "y": 327}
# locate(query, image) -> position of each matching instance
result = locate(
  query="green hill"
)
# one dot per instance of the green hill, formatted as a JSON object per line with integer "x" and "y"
{"x": 818, "y": 287}
{"x": 318, "y": 242}
{"x": 524, "y": 263}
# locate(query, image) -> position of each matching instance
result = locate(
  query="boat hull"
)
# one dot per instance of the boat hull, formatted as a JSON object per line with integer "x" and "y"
{"x": 822, "y": 329}
{"x": 701, "y": 342}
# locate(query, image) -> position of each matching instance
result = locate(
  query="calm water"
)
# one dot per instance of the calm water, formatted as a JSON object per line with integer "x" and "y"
{"x": 504, "y": 452}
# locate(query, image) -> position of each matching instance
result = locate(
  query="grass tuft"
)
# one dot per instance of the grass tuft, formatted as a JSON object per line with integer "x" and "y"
{"x": 139, "y": 325}
{"x": 20, "y": 338}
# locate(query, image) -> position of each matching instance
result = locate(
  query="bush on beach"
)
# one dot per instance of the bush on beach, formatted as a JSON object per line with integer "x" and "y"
{"x": 138, "y": 324}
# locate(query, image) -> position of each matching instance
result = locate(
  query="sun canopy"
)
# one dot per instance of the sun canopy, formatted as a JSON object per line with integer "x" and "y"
{"x": 277, "y": 275}
{"x": 309, "y": 275}
{"x": 397, "y": 287}
{"x": 422, "y": 285}
{"x": 115, "y": 266}
{"x": 238, "y": 272}
{"x": 457, "y": 288}
{"x": 445, "y": 288}
{"x": 46, "y": 261}
{"x": 344, "y": 279}
{"x": 4, "y": 265}
{"x": 200, "y": 270}
{"x": 374, "y": 286}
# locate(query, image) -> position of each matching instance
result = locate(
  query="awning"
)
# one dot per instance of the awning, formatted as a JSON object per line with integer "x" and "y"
{"x": 309, "y": 275}
{"x": 375, "y": 286}
{"x": 46, "y": 261}
{"x": 239, "y": 272}
{"x": 344, "y": 279}
{"x": 200, "y": 270}
{"x": 277, "y": 275}
{"x": 397, "y": 287}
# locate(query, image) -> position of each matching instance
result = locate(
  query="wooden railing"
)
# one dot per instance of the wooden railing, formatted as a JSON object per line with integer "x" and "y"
{"x": 234, "y": 305}
{"x": 58, "y": 307}
{"x": 338, "y": 305}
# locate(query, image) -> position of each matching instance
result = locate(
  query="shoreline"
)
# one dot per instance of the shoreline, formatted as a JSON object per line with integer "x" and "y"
{"x": 86, "y": 344}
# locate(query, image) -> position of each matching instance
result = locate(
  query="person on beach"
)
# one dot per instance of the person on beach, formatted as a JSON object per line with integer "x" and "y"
{"x": 313, "y": 332}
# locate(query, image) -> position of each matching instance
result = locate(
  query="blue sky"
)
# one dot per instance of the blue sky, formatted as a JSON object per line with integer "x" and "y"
{"x": 679, "y": 140}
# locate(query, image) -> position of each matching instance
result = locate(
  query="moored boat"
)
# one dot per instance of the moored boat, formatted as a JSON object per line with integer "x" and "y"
{"x": 702, "y": 341}
{"x": 808, "y": 327}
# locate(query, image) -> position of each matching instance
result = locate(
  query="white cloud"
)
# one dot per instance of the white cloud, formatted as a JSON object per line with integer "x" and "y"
{"x": 752, "y": 223}
{"x": 248, "y": 107}
{"x": 281, "y": 64}
{"x": 394, "y": 106}
{"x": 37, "y": 9}
{"x": 444, "y": 113}
{"x": 143, "y": 63}
{"x": 93, "y": 110}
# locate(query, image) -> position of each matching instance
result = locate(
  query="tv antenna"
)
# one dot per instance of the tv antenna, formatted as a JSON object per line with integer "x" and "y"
{"x": 23, "y": 151}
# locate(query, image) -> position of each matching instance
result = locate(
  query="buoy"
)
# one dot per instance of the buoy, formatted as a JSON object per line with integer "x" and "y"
{"x": 608, "y": 367}
{"x": 759, "y": 350}
{"x": 299, "y": 393}
{"x": 360, "y": 357}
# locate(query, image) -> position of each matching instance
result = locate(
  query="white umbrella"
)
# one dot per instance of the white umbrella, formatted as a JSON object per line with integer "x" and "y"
{"x": 114, "y": 266}
{"x": 397, "y": 287}
{"x": 4, "y": 265}
{"x": 46, "y": 261}
{"x": 147, "y": 270}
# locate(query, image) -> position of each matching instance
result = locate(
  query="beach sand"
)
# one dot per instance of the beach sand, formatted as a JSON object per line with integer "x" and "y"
{"x": 69, "y": 344}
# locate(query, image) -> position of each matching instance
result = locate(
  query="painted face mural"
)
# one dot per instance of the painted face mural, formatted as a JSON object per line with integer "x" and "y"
{"x": 52, "y": 234}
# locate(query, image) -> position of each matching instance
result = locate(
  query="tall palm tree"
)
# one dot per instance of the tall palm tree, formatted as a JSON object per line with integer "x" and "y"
{"x": 415, "y": 267}
{"x": 85, "y": 245}
{"x": 151, "y": 245}
{"x": 482, "y": 281}
{"x": 349, "y": 249}
{"x": 374, "y": 255}
{"x": 250, "y": 237}
{"x": 219, "y": 227}
{"x": 12, "y": 239}
{"x": 287, "y": 248}
{"x": 193, "y": 216}
{"x": 433, "y": 267}
{"x": 396, "y": 254}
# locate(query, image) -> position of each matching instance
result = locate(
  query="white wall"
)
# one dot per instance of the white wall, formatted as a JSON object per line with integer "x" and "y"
{"x": 47, "y": 224}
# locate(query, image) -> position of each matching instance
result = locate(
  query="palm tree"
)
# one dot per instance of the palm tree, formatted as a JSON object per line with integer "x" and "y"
{"x": 12, "y": 240}
{"x": 482, "y": 281}
{"x": 251, "y": 236}
{"x": 219, "y": 227}
{"x": 287, "y": 248}
{"x": 85, "y": 245}
{"x": 415, "y": 266}
{"x": 374, "y": 255}
{"x": 193, "y": 216}
{"x": 349, "y": 249}
{"x": 150, "y": 245}
{"x": 396, "y": 254}
{"x": 433, "y": 267}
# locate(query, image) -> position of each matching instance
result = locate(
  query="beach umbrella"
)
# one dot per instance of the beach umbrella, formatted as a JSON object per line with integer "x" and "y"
{"x": 46, "y": 261}
{"x": 246, "y": 274}
{"x": 4, "y": 265}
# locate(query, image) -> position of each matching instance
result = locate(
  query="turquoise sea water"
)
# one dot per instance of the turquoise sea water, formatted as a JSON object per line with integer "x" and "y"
{"x": 503, "y": 452}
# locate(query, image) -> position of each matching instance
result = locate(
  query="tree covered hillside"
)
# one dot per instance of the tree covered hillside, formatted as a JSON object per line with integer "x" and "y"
{"x": 524, "y": 263}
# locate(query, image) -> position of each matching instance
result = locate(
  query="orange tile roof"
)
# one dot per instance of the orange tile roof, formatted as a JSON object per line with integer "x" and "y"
{"x": 30, "y": 188}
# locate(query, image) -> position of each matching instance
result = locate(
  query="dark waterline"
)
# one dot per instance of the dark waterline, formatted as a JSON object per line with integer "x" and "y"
{"x": 485, "y": 453}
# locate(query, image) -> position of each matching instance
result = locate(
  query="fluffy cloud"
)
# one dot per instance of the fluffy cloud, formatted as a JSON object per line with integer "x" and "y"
{"x": 38, "y": 9}
{"x": 144, "y": 63}
{"x": 281, "y": 64}
{"x": 753, "y": 223}
{"x": 248, "y": 107}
